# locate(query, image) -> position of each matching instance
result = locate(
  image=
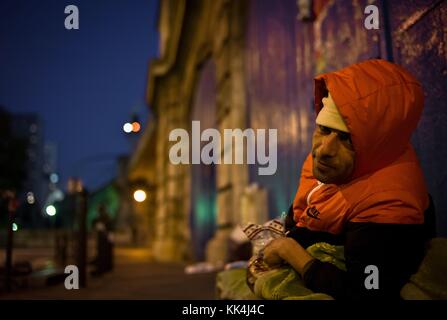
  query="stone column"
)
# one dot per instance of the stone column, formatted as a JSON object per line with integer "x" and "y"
{"x": 231, "y": 179}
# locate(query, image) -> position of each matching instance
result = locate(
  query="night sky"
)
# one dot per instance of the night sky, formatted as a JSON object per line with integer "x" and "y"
{"x": 85, "y": 83}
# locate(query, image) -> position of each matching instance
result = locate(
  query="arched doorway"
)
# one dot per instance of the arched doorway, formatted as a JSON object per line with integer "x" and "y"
{"x": 203, "y": 177}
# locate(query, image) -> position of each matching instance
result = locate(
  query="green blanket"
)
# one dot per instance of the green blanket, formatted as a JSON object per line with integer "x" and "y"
{"x": 278, "y": 284}
{"x": 429, "y": 282}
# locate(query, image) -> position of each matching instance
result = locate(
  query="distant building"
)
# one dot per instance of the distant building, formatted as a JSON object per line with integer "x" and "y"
{"x": 51, "y": 191}
{"x": 40, "y": 166}
{"x": 50, "y": 161}
{"x": 13, "y": 155}
{"x": 29, "y": 127}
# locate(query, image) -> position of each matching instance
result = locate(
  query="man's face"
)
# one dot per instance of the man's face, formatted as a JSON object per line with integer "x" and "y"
{"x": 333, "y": 155}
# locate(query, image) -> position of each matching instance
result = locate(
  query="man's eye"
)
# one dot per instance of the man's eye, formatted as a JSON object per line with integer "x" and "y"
{"x": 324, "y": 130}
{"x": 345, "y": 137}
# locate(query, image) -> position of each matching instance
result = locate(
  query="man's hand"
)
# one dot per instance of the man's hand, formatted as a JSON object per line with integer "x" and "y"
{"x": 275, "y": 253}
{"x": 287, "y": 250}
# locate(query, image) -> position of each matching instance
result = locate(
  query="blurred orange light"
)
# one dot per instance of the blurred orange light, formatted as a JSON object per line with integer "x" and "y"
{"x": 136, "y": 126}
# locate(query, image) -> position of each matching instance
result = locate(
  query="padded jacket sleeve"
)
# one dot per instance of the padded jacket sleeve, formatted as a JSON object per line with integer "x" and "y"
{"x": 395, "y": 250}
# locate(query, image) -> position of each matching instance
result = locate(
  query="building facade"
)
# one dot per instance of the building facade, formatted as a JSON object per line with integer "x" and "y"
{"x": 250, "y": 64}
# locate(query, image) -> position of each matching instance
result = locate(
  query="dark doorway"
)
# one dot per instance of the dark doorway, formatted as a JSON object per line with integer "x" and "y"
{"x": 203, "y": 177}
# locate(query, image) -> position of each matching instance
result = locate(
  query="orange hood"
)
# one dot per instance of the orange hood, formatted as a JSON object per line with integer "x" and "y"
{"x": 381, "y": 104}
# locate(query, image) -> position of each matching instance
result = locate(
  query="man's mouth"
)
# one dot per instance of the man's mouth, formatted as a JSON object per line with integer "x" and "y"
{"x": 324, "y": 166}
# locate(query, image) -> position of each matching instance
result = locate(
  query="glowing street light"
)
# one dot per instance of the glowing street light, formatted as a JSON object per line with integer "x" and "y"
{"x": 15, "y": 227}
{"x": 128, "y": 127}
{"x": 136, "y": 126}
{"x": 139, "y": 195}
{"x": 50, "y": 210}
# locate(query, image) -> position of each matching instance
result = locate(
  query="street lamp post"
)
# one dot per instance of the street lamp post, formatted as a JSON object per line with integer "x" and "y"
{"x": 142, "y": 191}
{"x": 80, "y": 195}
{"x": 11, "y": 202}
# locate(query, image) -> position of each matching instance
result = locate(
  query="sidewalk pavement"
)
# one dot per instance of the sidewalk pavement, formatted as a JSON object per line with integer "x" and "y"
{"x": 135, "y": 276}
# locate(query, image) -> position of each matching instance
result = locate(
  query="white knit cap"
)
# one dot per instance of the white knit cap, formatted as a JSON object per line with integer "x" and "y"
{"x": 330, "y": 117}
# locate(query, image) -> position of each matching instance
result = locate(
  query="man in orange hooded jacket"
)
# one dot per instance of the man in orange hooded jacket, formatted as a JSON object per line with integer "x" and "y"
{"x": 362, "y": 185}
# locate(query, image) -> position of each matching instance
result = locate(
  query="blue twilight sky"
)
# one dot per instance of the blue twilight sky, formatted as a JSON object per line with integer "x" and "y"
{"x": 85, "y": 83}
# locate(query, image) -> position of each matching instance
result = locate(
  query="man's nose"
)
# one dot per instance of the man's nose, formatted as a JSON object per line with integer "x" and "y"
{"x": 329, "y": 145}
